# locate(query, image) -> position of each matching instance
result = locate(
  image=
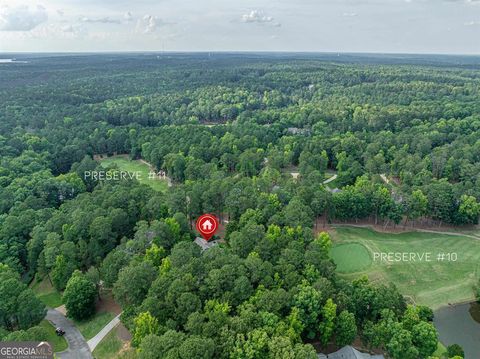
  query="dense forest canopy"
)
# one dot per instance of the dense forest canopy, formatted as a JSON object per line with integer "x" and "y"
{"x": 229, "y": 130}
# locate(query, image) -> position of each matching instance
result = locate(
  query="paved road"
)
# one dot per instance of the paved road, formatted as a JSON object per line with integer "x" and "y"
{"x": 92, "y": 343}
{"x": 77, "y": 345}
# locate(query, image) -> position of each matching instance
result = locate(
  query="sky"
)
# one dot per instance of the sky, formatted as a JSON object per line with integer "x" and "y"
{"x": 382, "y": 26}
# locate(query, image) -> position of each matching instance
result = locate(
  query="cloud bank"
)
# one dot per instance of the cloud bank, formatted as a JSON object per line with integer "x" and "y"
{"x": 22, "y": 17}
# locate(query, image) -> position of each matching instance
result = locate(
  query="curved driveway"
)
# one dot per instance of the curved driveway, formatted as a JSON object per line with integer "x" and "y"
{"x": 77, "y": 345}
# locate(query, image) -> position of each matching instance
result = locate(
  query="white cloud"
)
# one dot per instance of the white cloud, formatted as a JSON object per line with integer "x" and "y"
{"x": 472, "y": 23}
{"x": 149, "y": 24}
{"x": 67, "y": 28}
{"x": 125, "y": 19}
{"x": 260, "y": 18}
{"x": 349, "y": 14}
{"x": 471, "y": 2}
{"x": 101, "y": 20}
{"x": 22, "y": 17}
{"x": 55, "y": 32}
{"x": 128, "y": 16}
{"x": 256, "y": 16}
{"x": 70, "y": 31}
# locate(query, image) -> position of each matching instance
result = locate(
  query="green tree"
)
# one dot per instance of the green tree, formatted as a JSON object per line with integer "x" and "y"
{"x": 382, "y": 203}
{"x": 252, "y": 346}
{"x": 111, "y": 265}
{"x": 159, "y": 347}
{"x": 102, "y": 238}
{"x": 425, "y": 338}
{"x": 325, "y": 241}
{"x": 346, "y": 329}
{"x": 308, "y": 302}
{"x": 401, "y": 345}
{"x": 411, "y": 317}
{"x": 145, "y": 324}
{"x": 309, "y": 162}
{"x": 151, "y": 348}
{"x": 417, "y": 205}
{"x": 250, "y": 162}
{"x": 19, "y": 307}
{"x": 197, "y": 347}
{"x": 61, "y": 272}
{"x": 327, "y": 325}
{"x": 441, "y": 200}
{"x": 133, "y": 283}
{"x": 36, "y": 333}
{"x": 175, "y": 164}
{"x": 296, "y": 213}
{"x": 455, "y": 350}
{"x": 243, "y": 242}
{"x": 380, "y": 333}
{"x": 283, "y": 348}
{"x": 79, "y": 296}
{"x": 468, "y": 210}
{"x": 425, "y": 313}
{"x": 93, "y": 275}
{"x": 155, "y": 254}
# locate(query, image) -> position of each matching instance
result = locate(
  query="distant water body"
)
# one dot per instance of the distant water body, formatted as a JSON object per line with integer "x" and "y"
{"x": 460, "y": 324}
{"x": 12, "y": 61}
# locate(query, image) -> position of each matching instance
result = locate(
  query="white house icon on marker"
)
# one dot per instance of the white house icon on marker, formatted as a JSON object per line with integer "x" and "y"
{"x": 207, "y": 225}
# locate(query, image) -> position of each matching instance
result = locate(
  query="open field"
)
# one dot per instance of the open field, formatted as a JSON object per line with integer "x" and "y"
{"x": 125, "y": 164}
{"x": 434, "y": 283}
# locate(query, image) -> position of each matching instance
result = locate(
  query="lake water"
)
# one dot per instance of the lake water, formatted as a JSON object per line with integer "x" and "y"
{"x": 456, "y": 325}
{"x": 12, "y": 61}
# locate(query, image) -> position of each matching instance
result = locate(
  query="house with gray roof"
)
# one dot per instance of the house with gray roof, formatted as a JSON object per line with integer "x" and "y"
{"x": 203, "y": 244}
{"x": 348, "y": 352}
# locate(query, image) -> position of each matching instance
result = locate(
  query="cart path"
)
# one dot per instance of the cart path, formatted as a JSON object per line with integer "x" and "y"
{"x": 328, "y": 180}
{"x": 168, "y": 179}
{"x": 368, "y": 226}
{"x": 92, "y": 343}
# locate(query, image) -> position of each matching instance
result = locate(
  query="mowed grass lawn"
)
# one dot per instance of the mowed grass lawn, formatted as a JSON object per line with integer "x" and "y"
{"x": 47, "y": 294}
{"x": 109, "y": 347}
{"x": 125, "y": 164}
{"x": 59, "y": 343}
{"x": 90, "y": 327}
{"x": 434, "y": 283}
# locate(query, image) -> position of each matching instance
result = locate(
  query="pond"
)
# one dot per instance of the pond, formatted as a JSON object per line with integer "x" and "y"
{"x": 460, "y": 324}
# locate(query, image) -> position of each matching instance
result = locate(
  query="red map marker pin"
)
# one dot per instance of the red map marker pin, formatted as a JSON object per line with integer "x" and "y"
{"x": 207, "y": 225}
